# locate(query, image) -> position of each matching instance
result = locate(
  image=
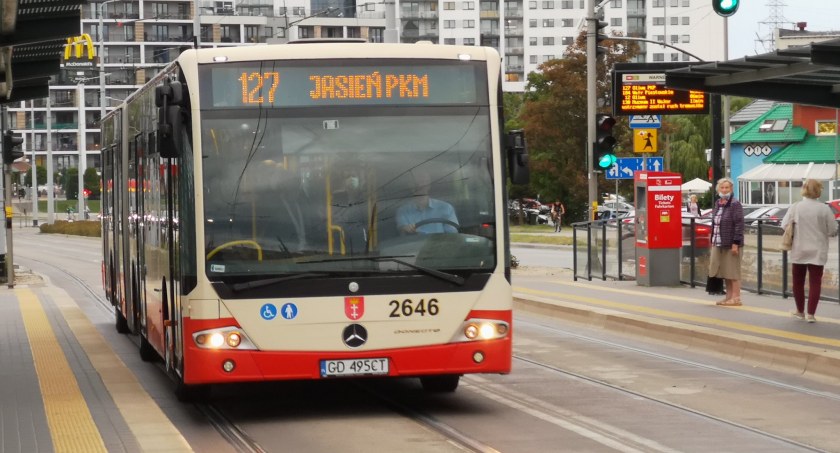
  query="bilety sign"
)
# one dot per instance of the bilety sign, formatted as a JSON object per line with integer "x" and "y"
{"x": 79, "y": 52}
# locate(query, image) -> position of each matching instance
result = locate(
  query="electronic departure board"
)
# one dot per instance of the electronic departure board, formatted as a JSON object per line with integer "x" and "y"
{"x": 645, "y": 93}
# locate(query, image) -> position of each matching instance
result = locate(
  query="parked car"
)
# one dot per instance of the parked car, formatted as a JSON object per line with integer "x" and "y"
{"x": 755, "y": 214}
{"x": 773, "y": 215}
{"x": 702, "y": 235}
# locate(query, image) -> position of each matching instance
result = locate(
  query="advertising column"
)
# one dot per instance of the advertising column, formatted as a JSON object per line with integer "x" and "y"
{"x": 658, "y": 228}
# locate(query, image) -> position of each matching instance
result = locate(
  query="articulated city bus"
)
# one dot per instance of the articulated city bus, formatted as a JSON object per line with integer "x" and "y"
{"x": 313, "y": 211}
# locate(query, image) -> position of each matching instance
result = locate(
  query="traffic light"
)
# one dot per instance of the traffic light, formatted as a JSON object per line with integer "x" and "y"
{"x": 599, "y": 38}
{"x": 10, "y": 143}
{"x": 604, "y": 142}
{"x": 725, "y": 8}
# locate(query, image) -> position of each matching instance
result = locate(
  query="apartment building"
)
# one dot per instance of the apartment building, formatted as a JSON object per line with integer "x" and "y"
{"x": 139, "y": 37}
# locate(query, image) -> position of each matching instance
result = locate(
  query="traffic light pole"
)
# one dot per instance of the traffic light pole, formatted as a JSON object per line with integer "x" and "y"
{"x": 7, "y": 203}
{"x": 591, "y": 101}
{"x": 717, "y": 136}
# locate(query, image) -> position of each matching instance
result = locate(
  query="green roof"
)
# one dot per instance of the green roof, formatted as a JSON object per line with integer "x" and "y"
{"x": 812, "y": 149}
{"x": 750, "y": 133}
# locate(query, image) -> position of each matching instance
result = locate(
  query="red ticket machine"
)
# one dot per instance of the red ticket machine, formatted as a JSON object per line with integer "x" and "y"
{"x": 658, "y": 228}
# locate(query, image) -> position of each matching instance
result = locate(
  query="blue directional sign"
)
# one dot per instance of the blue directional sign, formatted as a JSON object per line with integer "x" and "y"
{"x": 625, "y": 167}
{"x": 655, "y": 164}
{"x": 645, "y": 121}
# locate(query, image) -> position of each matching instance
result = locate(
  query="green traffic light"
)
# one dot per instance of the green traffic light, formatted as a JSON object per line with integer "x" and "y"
{"x": 725, "y": 8}
{"x": 606, "y": 161}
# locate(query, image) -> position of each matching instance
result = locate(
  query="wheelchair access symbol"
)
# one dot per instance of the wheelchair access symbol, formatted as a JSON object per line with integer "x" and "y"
{"x": 268, "y": 312}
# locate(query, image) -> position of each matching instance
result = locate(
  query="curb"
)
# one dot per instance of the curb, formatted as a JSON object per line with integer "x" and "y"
{"x": 531, "y": 245}
{"x": 803, "y": 360}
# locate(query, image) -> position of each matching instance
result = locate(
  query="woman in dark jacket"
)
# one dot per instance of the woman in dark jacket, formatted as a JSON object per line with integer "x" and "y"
{"x": 727, "y": 240}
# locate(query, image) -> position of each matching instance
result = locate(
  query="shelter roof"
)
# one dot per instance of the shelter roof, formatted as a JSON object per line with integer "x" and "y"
{"x": 806, "y": 75}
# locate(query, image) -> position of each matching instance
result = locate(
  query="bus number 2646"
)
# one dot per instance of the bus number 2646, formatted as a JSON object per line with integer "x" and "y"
{"x": 409, "y": 307}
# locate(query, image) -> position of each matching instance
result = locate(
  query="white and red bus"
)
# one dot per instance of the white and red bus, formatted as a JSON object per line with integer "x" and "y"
{"x": 313, "y": 211}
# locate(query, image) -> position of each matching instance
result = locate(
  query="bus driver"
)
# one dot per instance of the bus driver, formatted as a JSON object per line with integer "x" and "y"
{"x": 423, "y": 208}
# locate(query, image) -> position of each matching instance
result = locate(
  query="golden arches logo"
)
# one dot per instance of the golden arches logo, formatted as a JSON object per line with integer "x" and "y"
{"x": 76, "y": 46}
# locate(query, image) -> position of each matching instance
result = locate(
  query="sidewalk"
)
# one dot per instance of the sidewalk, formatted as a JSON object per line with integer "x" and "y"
{"x": 761, "y": 332}
{"x": 64, "y": 388}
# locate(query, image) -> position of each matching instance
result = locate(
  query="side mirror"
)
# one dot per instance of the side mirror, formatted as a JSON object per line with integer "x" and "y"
{"x": 171, "y": 92}
{"x": 517, "y": 153}
{"x": 170, "y": 131}
{"x": 168, "y": 98}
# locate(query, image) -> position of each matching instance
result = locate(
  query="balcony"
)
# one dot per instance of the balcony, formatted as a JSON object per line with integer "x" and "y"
{"x": 115, "y": 15}
{"x": 489, "y": 14}
{"x": 490, "y": 32}
{"x": 513, "y": 31}
{"x": 513, "y": 13}
{"x": 57, "y": 125}
{"x": 423, "y": 15}
{"x": 636, "y": 12}
{"x": 514, "y": 68}
{"x": 515, "y": 51}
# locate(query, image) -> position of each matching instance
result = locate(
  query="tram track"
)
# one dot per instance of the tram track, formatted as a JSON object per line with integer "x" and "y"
{"x": 661, "y": 401}
{"x": 454, "y": 436}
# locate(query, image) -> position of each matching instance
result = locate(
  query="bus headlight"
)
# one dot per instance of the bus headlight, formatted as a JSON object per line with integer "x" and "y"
{"x": 223, "y": 338}
{"x": 216, "y": 340}
{"x": 481, "y": 329}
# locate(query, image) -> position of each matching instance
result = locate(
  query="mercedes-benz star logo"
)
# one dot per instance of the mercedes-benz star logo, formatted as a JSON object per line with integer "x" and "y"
{"x": 354, "y": 335}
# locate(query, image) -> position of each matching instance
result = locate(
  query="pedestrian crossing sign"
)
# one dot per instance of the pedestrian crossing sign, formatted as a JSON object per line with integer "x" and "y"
{"x": 645, "y": 140}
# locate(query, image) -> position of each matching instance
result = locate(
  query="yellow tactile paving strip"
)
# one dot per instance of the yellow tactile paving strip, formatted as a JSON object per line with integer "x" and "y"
{"x": 151, "y": 427}
{"x": 71, "y": 425}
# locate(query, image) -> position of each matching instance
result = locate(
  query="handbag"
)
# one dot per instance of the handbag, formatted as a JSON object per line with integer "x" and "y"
{"x": 787, "y": 236}
{"x": 714, "y": 285}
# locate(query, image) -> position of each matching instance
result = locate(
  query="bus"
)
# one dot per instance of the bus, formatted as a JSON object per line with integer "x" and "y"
{"x": 313, "y": 211}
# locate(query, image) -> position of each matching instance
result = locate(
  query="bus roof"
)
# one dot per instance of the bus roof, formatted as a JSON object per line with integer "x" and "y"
{"x": 316, "y": 50}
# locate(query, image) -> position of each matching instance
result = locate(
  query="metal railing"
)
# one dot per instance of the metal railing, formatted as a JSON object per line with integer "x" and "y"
{"x": 605, "y": 249}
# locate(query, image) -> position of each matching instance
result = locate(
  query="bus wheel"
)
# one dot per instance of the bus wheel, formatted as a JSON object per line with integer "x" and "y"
{"x": 440, "y": 384}
{"x": 121, "y": 322}
{"x": 192, "y": 393}
{"x": 147, "y": 352}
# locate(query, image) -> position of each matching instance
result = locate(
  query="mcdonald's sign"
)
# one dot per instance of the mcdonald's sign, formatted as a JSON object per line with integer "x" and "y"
{"x": 79, "y": 52}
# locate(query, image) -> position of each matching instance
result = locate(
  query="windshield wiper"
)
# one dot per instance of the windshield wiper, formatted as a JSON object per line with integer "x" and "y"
{"x": 237, "y": 287}
{"x": 452, "y": 278}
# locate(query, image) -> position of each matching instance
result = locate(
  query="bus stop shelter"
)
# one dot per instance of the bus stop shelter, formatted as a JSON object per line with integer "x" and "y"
{"x": 804, "y": 75}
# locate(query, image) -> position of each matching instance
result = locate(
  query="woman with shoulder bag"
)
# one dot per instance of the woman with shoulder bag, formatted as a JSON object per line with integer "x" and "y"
{"x": 813, "y": 224}
{"x": 727, "y": 240}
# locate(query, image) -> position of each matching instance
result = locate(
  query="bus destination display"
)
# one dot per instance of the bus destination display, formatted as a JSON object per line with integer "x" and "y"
{"x": 646, "y": 94}
{"x": 274, "y": 85}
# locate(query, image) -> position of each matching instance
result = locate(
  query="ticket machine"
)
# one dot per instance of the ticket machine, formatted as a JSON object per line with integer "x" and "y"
{"x": 658, "y": 227}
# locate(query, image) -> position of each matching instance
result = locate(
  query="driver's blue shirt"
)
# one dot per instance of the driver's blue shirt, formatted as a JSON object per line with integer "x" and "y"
{"x": 410, "y": 214}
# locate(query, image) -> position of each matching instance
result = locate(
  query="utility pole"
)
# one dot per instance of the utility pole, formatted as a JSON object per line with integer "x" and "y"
{"x": 80, "y": 197}
{"x": 7, "y": 204}
{"x": 591, "y": 100}
{"x": 34, "y": 167}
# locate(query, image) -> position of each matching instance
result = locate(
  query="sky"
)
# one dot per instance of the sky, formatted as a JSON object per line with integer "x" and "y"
{"x": 745, "y": 26}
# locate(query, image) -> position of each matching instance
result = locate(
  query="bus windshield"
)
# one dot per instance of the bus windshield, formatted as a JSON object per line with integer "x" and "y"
{"x": 307, "y": 189}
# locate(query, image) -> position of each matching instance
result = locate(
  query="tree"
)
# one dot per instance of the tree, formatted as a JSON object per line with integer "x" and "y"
{"x": 91, "y": 179}
{"x": 555, "y": 122}
{"x": 41, "y": 173}
{"x": 71, "y": 183}
{"x": 690, "y": 137}
{"x": 513, "y": 103}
